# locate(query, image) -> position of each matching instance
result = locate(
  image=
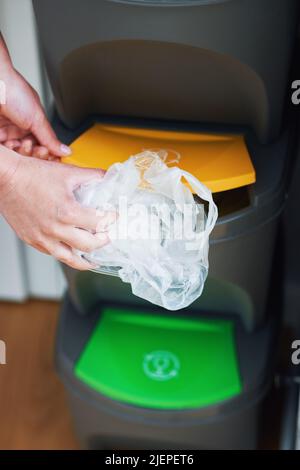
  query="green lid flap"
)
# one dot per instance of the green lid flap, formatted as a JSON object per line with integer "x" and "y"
{"x": 164, "y": 362}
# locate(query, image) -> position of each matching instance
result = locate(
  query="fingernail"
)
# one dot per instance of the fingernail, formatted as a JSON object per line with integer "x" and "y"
{"x": 65, "y": 149}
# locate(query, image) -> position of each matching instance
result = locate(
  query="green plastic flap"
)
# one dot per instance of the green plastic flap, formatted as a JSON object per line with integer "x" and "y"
{"x": 164, "y": 362}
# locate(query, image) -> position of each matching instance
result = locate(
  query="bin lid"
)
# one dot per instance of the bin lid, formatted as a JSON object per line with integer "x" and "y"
{"x": 221, "y": 162}
{"x": 160, "y": 361}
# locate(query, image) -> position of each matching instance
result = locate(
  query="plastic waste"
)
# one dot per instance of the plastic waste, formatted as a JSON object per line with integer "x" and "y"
{"x": 160, "y": 239}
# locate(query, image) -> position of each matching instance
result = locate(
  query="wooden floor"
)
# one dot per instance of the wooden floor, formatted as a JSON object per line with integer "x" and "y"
{"x": 33, "y": 409}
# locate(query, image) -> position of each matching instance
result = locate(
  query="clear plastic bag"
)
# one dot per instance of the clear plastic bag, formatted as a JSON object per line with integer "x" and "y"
{"x": 160, "y": 239}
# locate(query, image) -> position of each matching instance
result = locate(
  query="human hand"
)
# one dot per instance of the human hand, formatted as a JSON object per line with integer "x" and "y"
{"x": 37, "y": 200}
{"x": 24, "y": 126}
{"x": 17, "y": 139}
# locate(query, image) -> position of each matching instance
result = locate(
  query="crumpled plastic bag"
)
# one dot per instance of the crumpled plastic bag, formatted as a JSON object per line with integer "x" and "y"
{"x": 160, "y": 239}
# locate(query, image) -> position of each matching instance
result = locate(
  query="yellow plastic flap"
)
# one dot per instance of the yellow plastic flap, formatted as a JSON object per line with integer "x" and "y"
{"x": 221, "y": 162}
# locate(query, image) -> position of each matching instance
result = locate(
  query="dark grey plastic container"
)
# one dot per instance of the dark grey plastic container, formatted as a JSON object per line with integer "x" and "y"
{"x": 219, "y": 62}
{"x": 103, "y": 423}
{"x": 214, "y": 61}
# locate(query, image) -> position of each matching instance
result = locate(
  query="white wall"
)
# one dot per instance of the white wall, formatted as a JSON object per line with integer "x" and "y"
{"x": 25, "y": 272}
{"x": 17, "y": 26}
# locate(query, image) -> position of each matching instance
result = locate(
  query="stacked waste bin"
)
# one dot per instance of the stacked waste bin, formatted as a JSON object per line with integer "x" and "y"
{"x": 136, "y": 375}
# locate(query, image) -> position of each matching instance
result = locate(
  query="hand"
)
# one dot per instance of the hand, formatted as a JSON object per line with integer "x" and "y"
{"x": 23, "y": 115}
{"x": 15, "y": 138}
{"x": 37, "y": 200}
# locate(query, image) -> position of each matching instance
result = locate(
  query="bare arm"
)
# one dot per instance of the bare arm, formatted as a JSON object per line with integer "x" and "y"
{"x": 36, "y": 196}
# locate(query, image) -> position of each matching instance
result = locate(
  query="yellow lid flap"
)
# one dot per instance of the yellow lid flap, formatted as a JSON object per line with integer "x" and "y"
{"x": 221, "y": 162}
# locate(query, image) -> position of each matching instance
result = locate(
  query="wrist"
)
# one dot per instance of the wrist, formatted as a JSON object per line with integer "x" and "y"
{"x": 9, "y": 163}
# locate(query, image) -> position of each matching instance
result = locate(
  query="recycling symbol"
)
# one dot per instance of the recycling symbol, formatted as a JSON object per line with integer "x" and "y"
{"x": 161, "y": 365}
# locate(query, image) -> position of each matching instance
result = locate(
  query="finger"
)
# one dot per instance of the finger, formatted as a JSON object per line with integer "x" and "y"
{"x": 40, "y": 152}
{"x": 15, "y": 132}
{"x": 11, "y": 132}
{"x": 64, "y": 254}
{"x": 44, "y": 133}
{"x": 4, "y": 121}
{"x": 12, "y": 144}
{"x": 4, "y": 134}
{"x": 81, "y": 239}
{"x": 31, "y": 138}
{"x": 80, "y": 217}
{"x": 41, "y": 248}
{"x": 106, "y": 219}
{"x": 26, "y": 147}
{"x": 93, "y": 220}
{"x": 50, "y": 158}
{"x": 85, "y": 175}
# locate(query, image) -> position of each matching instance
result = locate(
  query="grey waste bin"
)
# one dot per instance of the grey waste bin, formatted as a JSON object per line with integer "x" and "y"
{"x": 197, "y": 63}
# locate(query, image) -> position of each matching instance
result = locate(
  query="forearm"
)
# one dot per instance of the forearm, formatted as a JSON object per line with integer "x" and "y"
{"x": 5, "y": 60}
{"x": 6, "y": 69}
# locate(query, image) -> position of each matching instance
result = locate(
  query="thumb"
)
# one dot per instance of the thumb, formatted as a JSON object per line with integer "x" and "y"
{"x": 85, "y": 175}
{"x": 44, "y": 133}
